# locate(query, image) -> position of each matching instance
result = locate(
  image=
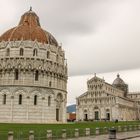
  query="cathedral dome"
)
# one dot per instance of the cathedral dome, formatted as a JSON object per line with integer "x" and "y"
{"x": 29, "y": 29}
{"x": 37, "y": 68}
{"x": 118, "y": 81}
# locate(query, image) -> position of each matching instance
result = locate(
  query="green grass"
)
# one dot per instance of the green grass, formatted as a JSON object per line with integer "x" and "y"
{"x": 21, "y": 131}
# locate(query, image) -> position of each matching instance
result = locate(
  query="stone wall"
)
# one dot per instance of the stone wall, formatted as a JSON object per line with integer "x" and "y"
{"x": 27, "y": 112}
{"x": 29, "y": 69}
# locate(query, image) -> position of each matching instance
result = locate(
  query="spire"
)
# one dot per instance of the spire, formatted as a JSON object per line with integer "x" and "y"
{"x": 30, "y": 8}
{"x": 95, "y": 74}
{"x": 118, "y": 75}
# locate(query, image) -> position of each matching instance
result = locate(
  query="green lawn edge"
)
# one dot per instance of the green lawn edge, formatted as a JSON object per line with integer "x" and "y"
{"x": 21, "y": 131}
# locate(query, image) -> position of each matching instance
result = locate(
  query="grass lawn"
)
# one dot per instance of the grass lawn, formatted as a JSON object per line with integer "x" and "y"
{"x": 21, "y": 131}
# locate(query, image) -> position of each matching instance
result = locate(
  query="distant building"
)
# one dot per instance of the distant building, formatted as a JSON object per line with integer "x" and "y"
{"x": 71, "y": 116}
{"x": 104, "y": 101}
{"x": 71, "y": 112}
{"x": 33, "y": 74}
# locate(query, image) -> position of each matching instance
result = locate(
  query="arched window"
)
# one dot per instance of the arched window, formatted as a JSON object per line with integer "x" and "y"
{"x": 4, "y": 99}
{"x": 35, "y": 52}
{"x": 35, "y": 100}
{"x": 59, "y": 97}
{"x": 8, "y": 52}
{"x": 48, "y": 54}
{"x": 36, "y": 75}
{"x": 49, "y": 101}
{"x": 57, "y": 58}
{"x": 16, "y": 74}
{"x": 21, "y": 52}
{"x": 50, "y": 84}
{"x": 20, "y": 99}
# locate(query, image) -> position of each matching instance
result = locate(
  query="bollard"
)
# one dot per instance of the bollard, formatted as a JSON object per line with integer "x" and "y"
{"x": 119, "y": 129}
{"x": 125, "y": 128}
{"x": 10, "y": 135}
{"x": 64, "y": 133}
{"x": 76, "y": 134}
{"x": 135, "y": 127}
{"x": 97, "y": 131}
{"x": 87, "y": 132}
{"x": 112, "y": 133}
{"x": 49, "y": 134}
{"x": 105, "y": 130}
{"x": 130, "y": 127}
{"x": 31, "y": 135}
{"x": 139, "y": 127}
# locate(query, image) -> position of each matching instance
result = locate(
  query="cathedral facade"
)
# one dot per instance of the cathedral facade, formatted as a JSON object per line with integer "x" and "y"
{"x": 33, "y": 74}
{"x": 108, "y": 102}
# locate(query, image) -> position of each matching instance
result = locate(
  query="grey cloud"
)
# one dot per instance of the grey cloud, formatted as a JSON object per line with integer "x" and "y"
{"x": 87, "y": 14}
{"x": 97, "y": 35}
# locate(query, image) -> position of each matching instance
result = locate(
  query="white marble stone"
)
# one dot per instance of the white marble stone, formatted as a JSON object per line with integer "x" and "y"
{"x": 52, "y": 82}
{"x": 104, "y": 101}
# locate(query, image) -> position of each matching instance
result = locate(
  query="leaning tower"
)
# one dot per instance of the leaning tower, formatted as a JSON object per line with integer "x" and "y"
{"x": 33, "y": 74}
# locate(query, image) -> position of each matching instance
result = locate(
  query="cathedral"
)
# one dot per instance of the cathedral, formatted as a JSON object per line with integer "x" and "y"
{"x": 107, "y": 102}
{"x": 33, "y": 74}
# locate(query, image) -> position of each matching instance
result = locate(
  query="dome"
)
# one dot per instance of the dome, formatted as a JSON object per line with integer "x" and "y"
{"x": 118, "y": 81}
{"x": 29, "y": 29}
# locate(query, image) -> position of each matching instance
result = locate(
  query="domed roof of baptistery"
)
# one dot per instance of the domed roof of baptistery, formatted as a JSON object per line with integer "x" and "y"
{"x": 118, "y": 81}
{"x": 29, "y": 28}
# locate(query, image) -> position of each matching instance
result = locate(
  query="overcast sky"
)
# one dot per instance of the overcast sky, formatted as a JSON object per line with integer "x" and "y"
{"x": 98, "y": 35}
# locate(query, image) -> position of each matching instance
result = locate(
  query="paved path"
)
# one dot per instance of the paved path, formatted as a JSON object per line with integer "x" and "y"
{"x": 134, "y": 139}
{"x": 134, "y": 135}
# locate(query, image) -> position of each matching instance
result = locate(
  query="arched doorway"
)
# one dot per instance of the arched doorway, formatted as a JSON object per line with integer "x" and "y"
{"x": 59, "y": 101}
{"x": 108, "y": 114}
{"x": 57, "y": 114}
{"x": 96, "y": 113}
{"x": 85, "y": 115}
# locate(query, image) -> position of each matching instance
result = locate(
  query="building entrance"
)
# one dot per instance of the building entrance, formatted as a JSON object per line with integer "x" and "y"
{"x": 96, "y": 115}
{"x": 57, "y": 114}
{"x": 108, "y": 116}
{"x": 86, "y": 117}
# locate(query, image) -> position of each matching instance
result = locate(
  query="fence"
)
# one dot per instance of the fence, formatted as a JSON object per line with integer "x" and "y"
{"x": 62, "y": 134}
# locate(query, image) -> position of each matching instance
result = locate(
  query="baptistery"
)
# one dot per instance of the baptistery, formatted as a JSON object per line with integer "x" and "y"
{"x": 33, "y": 74}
